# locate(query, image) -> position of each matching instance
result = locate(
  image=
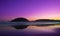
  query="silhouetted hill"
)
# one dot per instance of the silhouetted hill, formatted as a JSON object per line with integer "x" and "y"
{"x": 20, "y": 20}
{"x": 46, "y": 20}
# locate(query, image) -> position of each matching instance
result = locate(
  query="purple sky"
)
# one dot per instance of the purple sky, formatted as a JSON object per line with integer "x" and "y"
{"x": 30, "y": 9}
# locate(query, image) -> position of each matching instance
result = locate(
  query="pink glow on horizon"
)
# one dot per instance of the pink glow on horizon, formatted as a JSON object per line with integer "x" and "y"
{"x": 32, "y": 10}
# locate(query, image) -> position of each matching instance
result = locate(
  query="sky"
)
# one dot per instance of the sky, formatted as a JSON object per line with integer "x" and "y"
{"x": 30, "y": 9}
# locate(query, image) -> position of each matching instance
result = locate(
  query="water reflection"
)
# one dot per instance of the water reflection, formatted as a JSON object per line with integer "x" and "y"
{"x": 31, "y": 31}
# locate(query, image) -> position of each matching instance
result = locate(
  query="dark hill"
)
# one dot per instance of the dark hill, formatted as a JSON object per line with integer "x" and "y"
{"x": 46, "y": 20}
{"x": 20, "y": 20}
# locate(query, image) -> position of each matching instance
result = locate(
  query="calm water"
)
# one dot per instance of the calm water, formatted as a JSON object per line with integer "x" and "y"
{"x": 31, "y": 31}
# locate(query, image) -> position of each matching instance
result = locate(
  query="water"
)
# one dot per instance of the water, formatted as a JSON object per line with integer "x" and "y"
{"x": 53, "y": 30}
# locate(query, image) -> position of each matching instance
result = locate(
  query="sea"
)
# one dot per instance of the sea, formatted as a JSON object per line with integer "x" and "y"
{"x": 52, "y": 30}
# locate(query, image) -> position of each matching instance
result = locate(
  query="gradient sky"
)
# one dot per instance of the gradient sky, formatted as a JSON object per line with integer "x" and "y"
{"x": 30, "y": 9}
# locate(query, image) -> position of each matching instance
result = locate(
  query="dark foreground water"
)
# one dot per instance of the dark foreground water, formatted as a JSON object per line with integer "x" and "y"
{"x": 31, "y": 31}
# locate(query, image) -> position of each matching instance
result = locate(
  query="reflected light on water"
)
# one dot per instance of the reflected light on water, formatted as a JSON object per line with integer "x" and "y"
{"x": 43, "y": 28}
{"x": 35, "y": 29}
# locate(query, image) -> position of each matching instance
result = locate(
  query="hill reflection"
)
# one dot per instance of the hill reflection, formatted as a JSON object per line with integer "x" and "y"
{"x": 31, "y": 31}
{"x": 20, "y": 26}
{"x": 25, "y": 26}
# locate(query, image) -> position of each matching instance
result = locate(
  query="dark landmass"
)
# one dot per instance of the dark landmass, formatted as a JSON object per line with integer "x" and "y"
{"x": 46, "y": 20}
{"x": 38, "y": 20}
{"x": 26, "y": 20}
{"x": 20, "y": 20}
